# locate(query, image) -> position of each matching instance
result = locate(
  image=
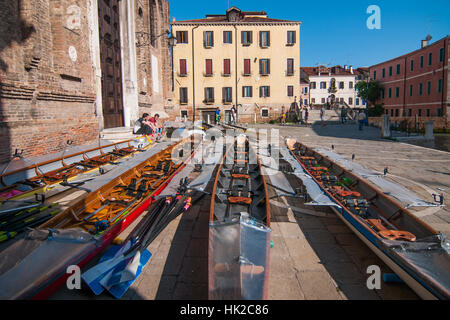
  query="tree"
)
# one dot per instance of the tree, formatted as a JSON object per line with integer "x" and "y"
{"x": 369, "y": 91}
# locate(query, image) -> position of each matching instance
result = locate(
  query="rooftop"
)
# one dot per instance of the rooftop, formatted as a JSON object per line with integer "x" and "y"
{"x": 335, "y": 71}
{"x": 235, "y": 15}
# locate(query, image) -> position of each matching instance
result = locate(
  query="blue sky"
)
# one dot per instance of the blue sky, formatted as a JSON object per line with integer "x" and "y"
{"x": 335, "y": 32}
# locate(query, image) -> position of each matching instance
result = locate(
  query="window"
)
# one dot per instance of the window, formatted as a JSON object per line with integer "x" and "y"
{"x": 246, "y": 38}
{"x": 392, "y": 112}
{"x": 397, "y": 92}
{"x": 428, "y": 87}
{"x": 247, "y": 91}
{"x": 209, "y": 95}
{"x": 227, "y": 37}
{"x": 357, "y": 101}
{"x": 430, "y": 58}
{"x": 409, "y": 112}
{"x": 305, "y": 102}
{"x": 396, "y": 112}
{"x": 341, "y": 85}
{"x": 428, "y": 112}
{"x": 323, "y": 85}
{"x": 184, "y": 113}
{"x": 323, "y": 100}
{"x": 291, "y": 38}
{"x": 420, "y": 112}
{"x": 264, "y": 113}
{"x": 264, "y": 91}
{"x": 290, "y": 67}
{"x": 420, "y": 89}
{"x": 305, "y": 90}
{"x": 412, "y": 65}
{"x": 182, "y": 37}
{"x": 390, "y": 71}
{"x": 382, "y": 93}
{"x": 350, "y": 101}
{"x": 226, "y": 67}
{"x": 290, "y": 91}
{"x": 313, "y": 100}
{"x": 247, "y": 70}
{"x": 384, "y": 72}
{"x": 439, "y": 112}
{"x": 390, "y": 93}
{"x": 264, "y": 66}
{"x": 264, "y": 39}
{"x": 208, "y": 39}
{"x": 183, "y": 68}
{"x": 208, "y": 68}
{"x": 411, "y": 88}
{"x": 441, "y": 54}
{"x": 440, "y": 85}
{"x": 375, "y": 75}
{"x": 350, "y": 85}
{"x": 398, "y": 68}
{"x": 313, "y": 85}
{"x": 183, "y": 95}
{"x": 227, "y": 95}
{"x": 421, "y": 61}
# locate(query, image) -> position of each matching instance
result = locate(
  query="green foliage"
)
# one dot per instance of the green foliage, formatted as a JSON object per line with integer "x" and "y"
{"x": 376, "y": 111}
{"x": 370, "y": 91}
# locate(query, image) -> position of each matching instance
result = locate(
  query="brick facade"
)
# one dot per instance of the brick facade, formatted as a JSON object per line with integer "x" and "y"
{"x": 416, "y": 84}
{"x": 50, "y": 79}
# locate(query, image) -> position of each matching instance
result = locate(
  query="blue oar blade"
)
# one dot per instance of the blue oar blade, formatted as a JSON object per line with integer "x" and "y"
{"x": 119, "y": 290}
{"x": 97, "y": 273}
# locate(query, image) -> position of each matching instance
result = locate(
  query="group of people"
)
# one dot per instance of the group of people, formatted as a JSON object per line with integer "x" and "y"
{"x": 303, "y": 115}
{"x": 147, "y": 125}
{"x": 233, "y": 115}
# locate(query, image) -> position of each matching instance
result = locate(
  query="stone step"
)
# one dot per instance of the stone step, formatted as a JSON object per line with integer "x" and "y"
{"x": 117, "y": 134}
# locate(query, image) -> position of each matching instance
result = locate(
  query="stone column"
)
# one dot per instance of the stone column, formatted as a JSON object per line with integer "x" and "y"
{"x": 386, "y": 127}
{"x": 429, "y": 130}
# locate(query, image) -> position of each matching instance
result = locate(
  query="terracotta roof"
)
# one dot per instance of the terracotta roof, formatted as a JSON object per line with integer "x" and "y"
{"x": 223, "y": 19}
{"x": 335, "y": 71}
{"x": 242, "y": 17}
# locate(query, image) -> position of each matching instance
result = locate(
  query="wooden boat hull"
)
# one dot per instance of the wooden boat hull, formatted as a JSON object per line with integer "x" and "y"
{"x": 239, "y": 233}
{"x": 16, "y": 190}
{"x": 50, "y": 282}
{"x": 424, "y": 264}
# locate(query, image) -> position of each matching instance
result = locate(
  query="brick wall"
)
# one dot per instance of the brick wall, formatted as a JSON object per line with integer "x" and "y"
{"x": 46, "y": 77}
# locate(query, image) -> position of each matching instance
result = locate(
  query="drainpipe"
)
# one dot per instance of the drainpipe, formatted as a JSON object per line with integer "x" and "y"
{"x": 404, "y": 88}
{"x": 193, "y": 76}
{"x": 236, "y": 69}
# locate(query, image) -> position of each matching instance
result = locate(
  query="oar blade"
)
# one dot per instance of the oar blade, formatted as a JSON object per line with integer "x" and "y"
{"x": 119, "y": 290}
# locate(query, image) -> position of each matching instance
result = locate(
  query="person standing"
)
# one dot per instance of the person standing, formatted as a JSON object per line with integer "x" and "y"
{"x": 233, "y": 114}
{"x": 306, "y": 116}
{"x": 322, "y": 116}
{"x": 217, "y": 116}
{"x": 361, "y": 119}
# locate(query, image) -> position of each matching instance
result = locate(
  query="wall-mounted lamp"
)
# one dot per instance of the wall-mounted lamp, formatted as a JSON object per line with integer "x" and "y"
{"x": 144, "y": 38}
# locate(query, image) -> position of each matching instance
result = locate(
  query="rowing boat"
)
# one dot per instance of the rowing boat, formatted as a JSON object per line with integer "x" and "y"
{"x": 416, "y": 252}
{"x": 40, "y": 177}
{"x": 239, "y": 235}
{"x": 36, "y": 266}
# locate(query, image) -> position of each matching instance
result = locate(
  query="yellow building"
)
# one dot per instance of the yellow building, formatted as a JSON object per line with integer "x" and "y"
{"x": 240, "y": 58}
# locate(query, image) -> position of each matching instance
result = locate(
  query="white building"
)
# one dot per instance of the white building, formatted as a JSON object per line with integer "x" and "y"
{"x": 335, "y": 83}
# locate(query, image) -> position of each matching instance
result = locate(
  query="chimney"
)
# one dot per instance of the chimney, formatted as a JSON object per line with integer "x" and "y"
{"x": 345, "y": 67}
{"x": 425, "y": 42}
{"x": 173, "y": 19}
{"x": 351, "y": 69}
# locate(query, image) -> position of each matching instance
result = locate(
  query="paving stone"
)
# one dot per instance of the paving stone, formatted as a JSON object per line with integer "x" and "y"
{"x": 284, "y": 288}
{"x": 317, "y": 285}
{"x": 186, "y": 291}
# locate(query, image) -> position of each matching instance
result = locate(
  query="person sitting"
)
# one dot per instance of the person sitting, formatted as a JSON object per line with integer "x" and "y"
{"x": 155, "y": 125}
{"x": 143, "y": 125}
